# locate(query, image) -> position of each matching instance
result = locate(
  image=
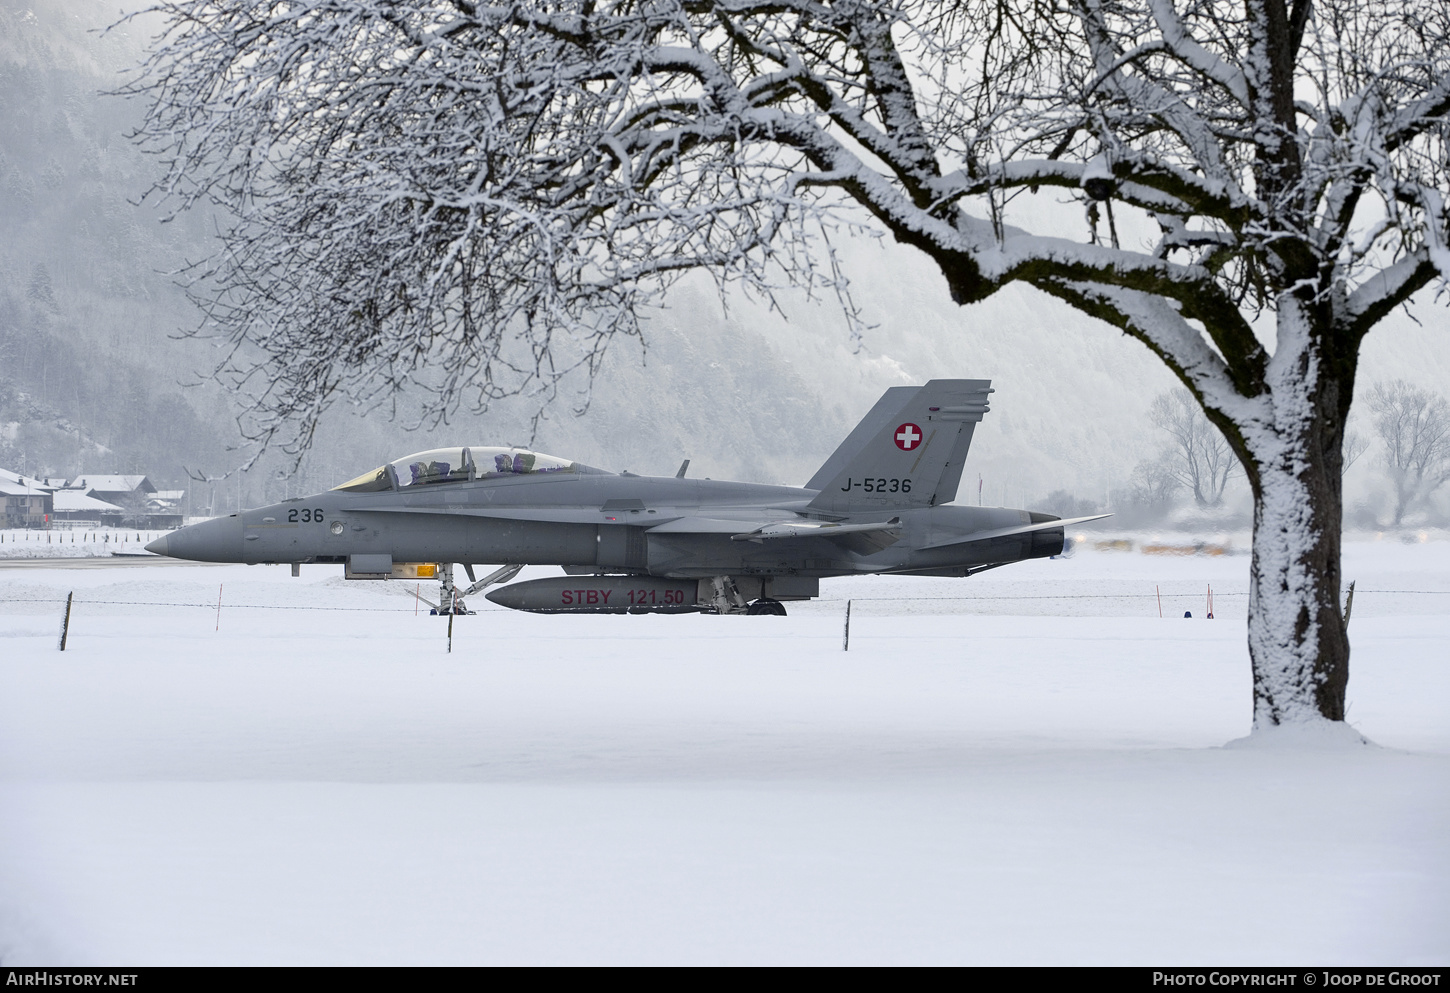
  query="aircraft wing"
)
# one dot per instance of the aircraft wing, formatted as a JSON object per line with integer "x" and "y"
{"x": 551, "y": 515}
{"x": 749, "y": 525}
{"x": 706, "y": 525}
{"x": 863, "y": 538}
{"x": 818, "y": 530}
{"x": 1019, "y": 529}
{"x": 671, "y": 520}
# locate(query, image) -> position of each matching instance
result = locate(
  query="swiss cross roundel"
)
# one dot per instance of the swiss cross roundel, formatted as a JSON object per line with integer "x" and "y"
{"x": 908, "y": 437}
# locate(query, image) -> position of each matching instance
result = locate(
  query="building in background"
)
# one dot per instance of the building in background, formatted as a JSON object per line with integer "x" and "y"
{"x": 28, "y": 503}
{"x": 91, "y": 499}
{"x": 120, "y": 490}
{"x": 164, "y": 508}
{"x": 77, "y": 509}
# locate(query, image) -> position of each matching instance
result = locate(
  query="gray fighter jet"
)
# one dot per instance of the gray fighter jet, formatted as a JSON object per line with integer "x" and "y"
{"x": 637, "y": 544}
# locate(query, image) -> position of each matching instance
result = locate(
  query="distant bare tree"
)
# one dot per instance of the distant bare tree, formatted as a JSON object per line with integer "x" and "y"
{"x": 1066, "y": 504}
{"x": 135, "y": 512}
{"x": 1200, "y": 459}
{"x": 479, "y": 196}
{"x": 1413, "y": 425}
{"x": 1153, "y": 484}
{"x": 1355, "y": 445}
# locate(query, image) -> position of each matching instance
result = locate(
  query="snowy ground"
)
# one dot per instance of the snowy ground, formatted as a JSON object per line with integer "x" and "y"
{"x": 1024, "y": 767}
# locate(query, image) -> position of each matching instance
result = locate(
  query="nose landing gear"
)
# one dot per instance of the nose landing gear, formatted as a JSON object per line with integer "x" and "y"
{"x": 450, "y": 598}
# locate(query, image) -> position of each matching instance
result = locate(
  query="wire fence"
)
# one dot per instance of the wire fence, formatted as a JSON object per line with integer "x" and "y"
{"x": 106, "y": 537}
{"x": 212, "y": 605}
{"x": 1101, "y": 596}
{"x": 209, "y": 606}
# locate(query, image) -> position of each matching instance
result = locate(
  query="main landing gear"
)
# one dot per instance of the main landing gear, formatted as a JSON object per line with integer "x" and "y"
{"x": 726, "y": 599}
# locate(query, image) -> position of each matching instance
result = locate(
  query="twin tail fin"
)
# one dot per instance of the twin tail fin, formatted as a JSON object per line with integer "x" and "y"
{"x": 908, "y": 451}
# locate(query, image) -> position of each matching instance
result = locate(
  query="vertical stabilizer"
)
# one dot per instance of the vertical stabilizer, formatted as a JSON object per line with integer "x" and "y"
{"x": 872, "y": 424}
{"x": 907, "y": 452}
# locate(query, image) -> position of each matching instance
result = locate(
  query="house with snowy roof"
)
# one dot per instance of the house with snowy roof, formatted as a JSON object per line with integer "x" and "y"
{"x": 104, "y": 499}
{"x": 164, "y": 508}
{"x": 120, "y": 490}
{"x": 20, "y": 477}
{"x": 75, "y": 506}
{"x": 120, "y": 499}
{"x": 26, "y": 502}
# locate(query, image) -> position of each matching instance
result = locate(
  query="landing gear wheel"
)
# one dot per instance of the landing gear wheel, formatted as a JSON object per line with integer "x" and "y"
{"x": 773, "y": 608}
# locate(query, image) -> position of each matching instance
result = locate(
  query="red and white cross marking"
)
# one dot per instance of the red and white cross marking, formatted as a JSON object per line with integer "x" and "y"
{"x": 908, "y": 436}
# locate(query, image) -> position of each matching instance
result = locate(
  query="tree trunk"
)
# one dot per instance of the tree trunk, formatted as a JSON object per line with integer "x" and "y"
{"x": 1297, "y": 640}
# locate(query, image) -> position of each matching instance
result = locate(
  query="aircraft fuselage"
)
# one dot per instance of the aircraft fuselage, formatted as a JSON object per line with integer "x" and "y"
{"x": 615, "y": 523}
{"x": 880, "y": 504}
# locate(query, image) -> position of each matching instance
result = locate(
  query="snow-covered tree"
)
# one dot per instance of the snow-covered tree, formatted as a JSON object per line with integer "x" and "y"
{"x": 1413, "y": 425}
{"x": 479, "y": 196}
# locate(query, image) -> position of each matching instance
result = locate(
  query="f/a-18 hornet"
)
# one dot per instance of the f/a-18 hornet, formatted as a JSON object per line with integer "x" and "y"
{"x": 637, "y": 544}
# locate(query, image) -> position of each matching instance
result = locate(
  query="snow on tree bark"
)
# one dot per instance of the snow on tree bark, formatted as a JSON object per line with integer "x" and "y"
{"x": 1297, "y": 637}
{"x": 481, "y": 197}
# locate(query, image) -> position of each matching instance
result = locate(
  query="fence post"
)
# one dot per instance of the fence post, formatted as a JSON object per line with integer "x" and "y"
{"x": 65, "y": 621}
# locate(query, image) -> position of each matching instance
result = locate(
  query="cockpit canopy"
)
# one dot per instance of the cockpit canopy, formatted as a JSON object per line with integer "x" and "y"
{"x": 456, "y": 465}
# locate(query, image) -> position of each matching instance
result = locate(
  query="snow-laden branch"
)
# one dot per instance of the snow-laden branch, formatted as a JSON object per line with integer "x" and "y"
{"x": 1151, "y": 185}
{"x": 1389, "y": 288}
{"x": 1177, "y": 40}
{"x": 1163, "y": 329}
{"x": 1143, "y": 96}
{"x": 1419, "y": 115}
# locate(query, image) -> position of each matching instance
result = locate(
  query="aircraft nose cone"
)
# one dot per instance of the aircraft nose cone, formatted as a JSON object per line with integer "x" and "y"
{"x": 158, "y": 547}
{"x": 217, "y": 540}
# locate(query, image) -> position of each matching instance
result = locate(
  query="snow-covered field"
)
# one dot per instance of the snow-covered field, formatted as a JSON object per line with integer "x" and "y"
{"x": 1024, "y": 767}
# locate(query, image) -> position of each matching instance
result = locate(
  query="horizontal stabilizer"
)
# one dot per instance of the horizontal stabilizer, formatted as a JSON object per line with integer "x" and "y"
{"x": 1020, "y": 529}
